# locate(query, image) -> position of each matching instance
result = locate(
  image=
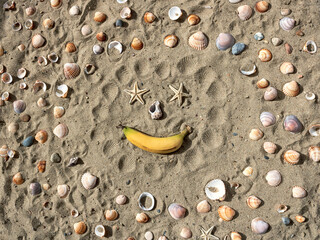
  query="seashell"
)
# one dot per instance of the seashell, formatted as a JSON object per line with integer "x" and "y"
{"x": 286, "y": 221}
{"x": 285, "y": 12}
{"x": 19, "y": 106}
{"x": 292, "y": 124}
{"x": 16, "y": 26}
{"x": 282, "y": 208}
{"x": 225, "y": 41}
{"x": 64, "y": 89}
{"x": 291, "y": 157}
{"x": 125, "y": 13}
{"x": 58, "y": 111}
{"x": 99, "y": 17}
{"x": 121, "y": 199}
{"x": 276, "y": 41}
{"x": 29, "y": 24}
{"x": 86, "y": 30}
{"x": 116, "y": 45}
{"x": 193, "y": 19}
{"x": 175, "y": 13}
{"x": 41, "y": 166}
{"x": 27, "y": 142}
{"x": 2, "y": 68}
{"x": 25, "y": 118}
{"x": 314, "y": 153}
{"x": 46, "y": 186}
{"x": 89, "y": 69}
{"x": 100, "y": 231}
{"x": 53, "y": 57}
{"x": 177, "y": 211}
{"x": 291, "y": 89}
{"x": 48, "y": 23}
{"x": 263, "y": 83}
{"x": 148, "y": 235}
{"x": 101, "y": 36}
{"x": 235, "y": 236}
{"x": 18, "y": 179}
{"x": 41, "y": 102}
{"x": 80, "y": 228}
{"x": 249, "y": 72}
{"x": 23, "y": 85}
{"x": 267, "y": 119}
{"x": 215, "y": 190}
{"x": 41, "y": 136}
{"x": 226, "y": 213}
{"x": 310, "y": 96}
{"x": 265, "y": 55}
{"x": 155, "y": 110}
{"x": 258, "y": 36}
{"x": 111, "y": 215}
{"x": 74, "y": 213}
{"x": 314, "y": 130}
{"x": 288, "y": 48}
{"x": 238, "y": 48}
{"x": 310, "y": 47}
{"x": 74, "y": 10}
{"x": 273, "y": 178}
{"x": 142, "y": 198}
{"x": 5, "y": 96}
{"x": 171, "y": 41}
{"x": 73, "y": 161}
{"x": 253, "y": 202}
{"x": 6, "y": 78}
{"x": 203, "y": 207}
{"x": 71, "y": 70}
{"x": 13, "y": 127}
{"x": 56, "y": 3}
{"x": 97, "y": 49}
{"x": 42, "y": 61}
{"x": 300, "y": 218}
{"x": 70, "y": 47}
{"x": 235, "y": 1}
{"x": 270, "y": 94}
{"x": 38, "y": 85}
{"x": 63, "y": 190}
{"x": 35, "y": 188}
{"x": 255, "y": 134}
{"x": 287, "y": 23}
{"x": 136, "y": 44}
{"x": 186, "y": 233}
{"x": 198, "y": 41}
{"x": 1, "y": 51}
{"x": 247, "y": 171}
{"x": 142, "y": 218}
{"x": 163, "y": 238}
{"x": 22, "y": 72}
{"x": 38, "y": 41}
{"x": 4, "y": 152}
{"x": 270, "y": 147}
{"x": 149, "y": 17}
{"x": 11, "y": 153}
{"x": 30, "y": 11}
{"x": 298, "y": 192}
{"x": 244, "y": 12}
{"x": 262, "y": 6}
{"x": 88, "y": 181}
{"x": 61, "y": 130}
{"x": 9, "y": 5}
{"x": 55, "y": 158}
{"x": 259, "y": 226}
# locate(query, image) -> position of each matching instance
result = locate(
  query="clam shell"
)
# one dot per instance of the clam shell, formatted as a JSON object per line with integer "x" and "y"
{"x": 148, "y": 235}
{"x": 22, "y": 72}
{"x": 125, "y": 13}
{"x": 38, "y": 85}
{"x": 177, "y": 211}
{"x": 38, "y": 41}
{"x": 25, "y": 118}
{"x": 18, "y": 179}
{"x": 186, "y": 233}
{"x": 270, "y": 147}
{"x": 63, "y": 190}
{"x": 262, "y": 6}
{"x": 29, "y": 24}
{"x": 298, "y": 192}
{"x": 70, "y": 47}
{"x": 74, "y": 10}
{"x": 58, "y": 111}
{"x": 226, "y": 213}
{"x": 64, "y": 91}
{"x": 273, "y": 178}
{"x": 48, "y": 23}
{"x": 285, "y": 11}
{"x": 41, "y": 136}
{"x": 97, "y": 49}
{"x": 137, "y": 44}
{"x": 267, "y": 119}
{"x": 141, "y": 199}
{"x": 71, "y": 70}
{"x": 89, "y": 69}
{"x": 198, "y": 41}
{"x": 310, "y": 47}
{"x": 121, "y": 199}
{"x": 171, "y": 41}
{"x": 30, "y": 11}
{"x": 300, "y": 218}
{"x": 244, "y": 12}
{"x": 291, "y": 89}
{"x": 41, "y": 102}
{"x": 142, "y": 218}
{"x": 314, "y": 153}
{"x": 74, "y": 213}
{"x": 203, "y": 207}
{"x": 149, "y": 17}
{"x": 175, "y": 13}
{"x": 235, "y": 236}
{"x": 265, "y": 55}
{"x": 249, "y": 72}
{"x": 282, "y": 208}
{"x": 255, "y": 134}
{"x": 53, "y": 57}
{"x": 19, "y": 106}
{"x": 101, "y": 36}
{"x": 287, "y": 23}
{"x": 263, "y": 83}
{"x": 259, "y": 226}
{"x": 253, "y": 202}
{"x": 56, "y": 3}
{"x": 314, "y": 130}
{"x": 42, "y": 61}
{"x": 116, "y": 45}
{"x": 247, "y": 171}
{"x": 99, "y": 17}
{"x": 6, "y": 78}
{"x": 88, "y": 180}
{"x": 80, "y": 228}
{"x": 16, "y": 26}
{"x": 225, "y": 41}
{"x": 193, "y": 19}
{"x": 13, "y": 127}
{"x": 35, "y": 188}
{"x": 86, "y": 30}
{"x": 100, "y": 231}
{"x": 270, "y": 94}
{"x": 61, "y": 130}
{"x": 215, "y": 190}
{"x": 292, "y": 124}
{"x": 291, "y": 157}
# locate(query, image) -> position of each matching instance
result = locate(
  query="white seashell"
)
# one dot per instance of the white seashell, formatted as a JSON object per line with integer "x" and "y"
{"x": 253, "y": 202}
{"x": 203, "y": 207}
{"x": 74, "y": 213}
{"x": 273, "y": 178}
{"x": 215, "y": 190}
{"x": 38, "y": 85}
{"x": 64, "y": 91}
{"x": 125, "y": 13}
{"x": 21, "y": 47}
{"x": 22, "y": 72}
{"x": 175, "y": 13}
{"x": 234, "y": 1}
{"x": 74, "y": 10}
{"x": 100, "y": 231}
{"x": 310, "y": 96}
{"x": 53, "y": 57}
{"x": 41, "y": 102}
{"x": 121, "y": 199}
{"x": 248, "y": 171}
{"x": 42, "y": 61}
{"x": 5, "y": 96}
{"x": 16, "y": 26}
{"x": 23, "y": 85}
{"x": 270, "y": 147}
{"x": 122, "y": 1}
{"x": 148, "y": 235}
{"x": 298, "y": 192}
{"x": 155, "y": 110}
{"x": 63, "y": 190}
{"x": 186, "y": 233}
{"x": 61, "y": 130}
{"x": 287, "y": 23}
{"x": 314, "y": 130}
{"x": 267, "y": 119}
{"x": 314, "y": 153}
{"x": 198, "y": 41}
{"x": 249, "y": 72}
{"x": 97, "y": 49}
{"x": 38, "y": 41}
{"x": 145, "y": 195}
{"x": 6, "y": 78}
{"x": 86, "y": 30}
{"x": 244, "y": 12}
{"x": 255, "y": 134}
{"x": 259, "y": 226}
{"x": 310, "y": 47}
{"x": 116, "y": 45}
{"x": 88, "y": 180}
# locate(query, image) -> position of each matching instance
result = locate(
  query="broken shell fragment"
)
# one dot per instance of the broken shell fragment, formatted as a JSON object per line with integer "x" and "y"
{"x": 53, "y": 57}
{"x": 16, "y": 26}
{"x": 310, "y": 47}
{"x": 88, "y": 180}
{"x": 142, "y": 198}
{"x": 276, "y": 41}
{"x": 61, "y": 130}
{"x": 111, "y": 215}
{"x": 5, "y": 96}
{"x": 198, "y": 41}
{"x": 89, "y": 69}
{"x": 310, "y": 96}
{"x": 300, "y": 218}
{"x": 63, "y": 190}
{"x": 282, "y": 208}
{"x": 80, "y": 228}
{"x": 39, "y": 85}
{"x": 42, "y": 61}
{"x": 155, "y": 110}
{"x": 116, "y": 45}
{"x": 6, "y": 78}
{"x": 41, "y": 166}
{"x": 73, "y": 161}
{"x": 314, "y": 130}
{"x": 63, "y": 91}
{"x": 100, "y": 231}
{"x": 226, "y": 213}
{"x": 203, "y": 207}
{"x": 273, "y": 178}
{"x": 216, "y": 190}
{"x": 247, "y": 171}
{"x": 177, "y": 211}
{"x": 298, "y": 192}
{"x": 249, "y": 72}
{"x": 125, "y": 13}
{"x": 22, "y": 72}
{"x": 29, "y": 24}
{"x": 74, "y": 213}
{"x": 23, "y": 85}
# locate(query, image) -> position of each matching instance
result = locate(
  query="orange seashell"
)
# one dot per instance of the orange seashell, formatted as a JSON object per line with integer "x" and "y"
{"x": 56, "y": 3}
{"x": 48, "y": 23}
{"x": 198, "y": 41}
{"x": 193, "y": 19}
{"x": 265, "y": 55}
{"x": 101, "y": 36}
{"x": 291, "y": 157}
{"x": 70, "y": 47}
{"x": 203, "y": 207}
{"x": 253, "y": 202}
{"x": 247, "y": 171}
{"x": 80, "y": 228}
{"x": 41, "y": 136}
{"x": 137, "y": 44}
{"x": 291, "y": 89}
{"x": 262, "y": 6}
{"x": 58, "y": 111}
{"x": 142, "y": 218}
{"x": 300, "y": 218}
{"x": 287, "y": 68}
{"x": 263, "y": 83}
{"x": 270, "y": 147}
{"x": 149, "y": 17}
{"x": 226, "y": 213}
{"x": 171, "y": 41}
{"x": 255, "y": 134}
{"x": 18, "y": 178}
{"x": 99, "y": 17}
{"x": 177, "y": 211}
{"x": 235, "y": 236}
{"x": 314, "y": 153}
{"x": 71, "y": 70}
{"x": 111, "y": 215}
{"x": 41, "y": 166}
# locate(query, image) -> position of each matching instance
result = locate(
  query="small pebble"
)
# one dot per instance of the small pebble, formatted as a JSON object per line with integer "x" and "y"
{"x": 28, "y": 141}
{"x": 285, "y": 12}
{"x": 266, "y": 157}
{"x": 238, "y": 48}
{"x": 235, "y": 134}
{"x": 119, "y": 23}
{"x": 258, "y": 36}
{"x": 25, "y": 118}
{"x": 288, "y": 48}
{"x": 276, "y": 41}
{"x": 300, "y": 33}
{"x": 128, "y": 182}
{"x": 286, "y": 221}
{"x": 55, "y": 158}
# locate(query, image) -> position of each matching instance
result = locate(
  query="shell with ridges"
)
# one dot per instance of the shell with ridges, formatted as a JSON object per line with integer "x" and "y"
{"x": 18, "y": 178}
{"x": 80, "y": 228}
{"x": 253, "y": 202}
{"x": 291, "y": 157}
{"x": 270, "y": 147}
{"x": 35, "y": 188}
{"x": 255, "y": 134}
{"x": 263, "y": 83}
{"x": 4, "y": 151}
{"x": 99, "y": 17}
{"x": 193, "y": 19}
{"x": 314, "y": 153}
{"x": 136, "y": 44}
{"x": 16, "y": 26}
{"x": 292, "y": 124}
{"x": 215, "y": 190}
{"x": 71, "y": 70}
{"x": 198, "y": 41}
{"x": 298, "y": 192}
{"x": 226, "y": 213}
{"x": 186, "y": 233}
{"x": 88, "y": 180}
{"x": 5, "y": 96}
{"x": 225, "y": 41}
{"x": 63, "y": 190}
{"x": 287, "y": 68}
{"x": 265, "y": 55}
{"x": 149, "y": 17}
{"x": 203, "y": 207}
{"x": 111, "y": 215}
{"x": 70, "y": 47}
{"x": 270, "y": 94}
{"x": 142, "y": 217}
{"x": 41, "y": 136}
{"x": 38, "y": 41}
{"x": 262, "y": 6}
{"x": 273, "y": 178}
{"x": 287, "y": 23}
{"x": 244, "y": 12}
{"x": 235, "y": 236}
{"x": 61, "y": 130}
{"x": 291, "y": 89}
{"x": 171, "y": 41}
{"x": 267, "y": 119}
{"x": 259, "y": 226}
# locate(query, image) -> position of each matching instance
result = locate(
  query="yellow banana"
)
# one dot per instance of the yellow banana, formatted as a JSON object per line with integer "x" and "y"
{"x": 162, "y": 145}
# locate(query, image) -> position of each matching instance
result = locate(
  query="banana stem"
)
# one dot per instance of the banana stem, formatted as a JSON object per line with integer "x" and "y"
{"x": 120, "y": 126}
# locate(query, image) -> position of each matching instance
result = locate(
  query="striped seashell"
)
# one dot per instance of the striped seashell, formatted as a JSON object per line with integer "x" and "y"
{"x": 177, "y": 211}
{"x": 70, "y": 47}
{"x": 35, "y": 188}
{"x": 259, "y": 226}
{"x": 267, "y": 119}
{"x": 225, "y": 41}
{"x": 111, "y": 215}
{"x": 253, "y": 202}
{"x": 88, "y": 180}
{"x": 291, "y": 157}
{"x": 263, "y": 83}
{"x": 262, "y": 6}
{"x": 137, "y": 44}
{"x": 298, "y": 192}
{"x": 226, "y": 213}
{"x": 292, "y": 124}
{"x": 193, "y": 19}
{"x": 314, "y": 153}
{"x": 198, "y": 41}
{"x": 244, "y": 12}
{"x": 56, "y": 3}
{"x": 99, "y": 17}
{"x": 71, "y": 70}
{"x": 300, "y": 218}
{"x": 265, "y": 55}
{"x": 255, "y": 134}
{"x": 61, "y": 130}
{"x": 273, "y": 178}
{"x": 270, "y": 147}
{"x": 235, "y": 236}
{"x": 63, "y": 190}
{"x": 149, "y": 17}
{"x": 270, "y": 94}
{"x": 291, "y": 89}
{"x": 38, "y": 41}
{"x": 287, "y": 68}
{"x": 18, "y": 179}
{"x": 287, "y": 23}
{"x": 171, "y": 41}
{"x": 142, "y": 218}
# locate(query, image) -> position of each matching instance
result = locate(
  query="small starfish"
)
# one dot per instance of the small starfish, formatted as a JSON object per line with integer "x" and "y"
{"x": 136, "y": 93}
{"x": 206, "y": 235}
{"x": 178, "y": 94}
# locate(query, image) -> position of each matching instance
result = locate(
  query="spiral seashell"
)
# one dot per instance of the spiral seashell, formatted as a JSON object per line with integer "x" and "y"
{"x": 186, "y": 233}
{"x": 198, "y": 41}
{"x": 74, "y": 10}
{"x": 270, "y": 147}
{"x": 99, "y": 17}
{"x": 314, "y": 153}
{"x": 177, "y": 211}
{"x": 255, "y": 134}
{"x": 41, "y": 166}
{"x": 101, "y": 36}
{"x": 281, "y": 208}
{"x": 56, "y": 3}
{"x": 263, "y": 83}
{"x": 142, "y": 218}
{"x": 225, "y": 41}
{"x": 267, "y": 119}
{"x": 215, "y": 190}
{"x": 86, "y": 30}
{"x": 226, "y": 213}
{"x": 63, "y": 190}
{"x": 193, "y": 19}
{"x": 203, "y": 207}
{"x": 287, "y": 68}
{"x": 171, "y": 41}
{"x": 70, "y": 47}
{"x": 314, "y": 130}
{"x": 244, "y": 12}
{"x": 16, "y": 26}
{"x": 30, "y": 11}
{"x": 100, "y": 231}
{"x": 53, "y": 57}
{"x": 35, "y": 188}
{"x": 42, "y": 61}
{"x": 61, "y": 130}
{"x": 292, "y": 124}
{"x": 19, "y": 106}
{"x": 247, "y": 171}
{"x": 29, "y": 24}
{"x": 64, "y": 91}
{"x": 121, "y": 199}
{"x": 259, "y": 226}
{"x": 41, "y": 136}
{"x": 310, "y": 47}
{"x": 291, "y": 157}
{"x": 175, "y": 13}
{"x": 287, "y": 23}
{"x": 71, "y": 70}
{"x": 149, "y": 17}
{"x": 265, "y": 55}
{"x": 137, "y": 44}
{"x": 235, "y": 236}
{"x": 6, "y": 78}
{"x": 262, "y": 6}
{"x": 80, "y": 228}
{"x": 291, "y": 89}
{"x": 89, "y": 69}
{"x": 13, "y": 127}
{"x": 273, "y": 178}
{"x": 125, "y": 13}
{"x": 22, "y": 72}
{"x": 38, "y": 41}
{"x": 298, "y": 192}
{"x": 88, "y": 180}
{"x": 58, "y": 111}
{"x": 300, "y": 218}
{"x": 270, "y": 94}
{"x": 18, "y": 179}
{"x": 48, "y": 23}
{"x": 253, "y": 202}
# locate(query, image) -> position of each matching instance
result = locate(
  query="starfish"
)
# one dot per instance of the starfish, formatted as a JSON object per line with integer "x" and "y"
{"x": 206, "y": 235}
{"x": 136, "y": 93}
{"x": 178, "y": 94}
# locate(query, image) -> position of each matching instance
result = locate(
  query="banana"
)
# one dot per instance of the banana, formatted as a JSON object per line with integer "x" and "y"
{"x": 161, "y": 145}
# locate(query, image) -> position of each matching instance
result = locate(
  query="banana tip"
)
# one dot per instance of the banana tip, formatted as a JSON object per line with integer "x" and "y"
{"x": 189, "y": 129}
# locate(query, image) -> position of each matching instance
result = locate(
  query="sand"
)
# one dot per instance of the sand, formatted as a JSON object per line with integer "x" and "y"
{"x": 224, "y": 106}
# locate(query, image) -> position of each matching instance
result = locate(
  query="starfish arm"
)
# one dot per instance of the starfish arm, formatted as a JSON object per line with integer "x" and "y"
{"x": 140, "y": 99}
{"x": 180, "y": 100}
{"x": 173, "y": 89}
{"x": 140, "y": 92}
{"x": 132, "y": 99}
{"x": 173, "y": 98}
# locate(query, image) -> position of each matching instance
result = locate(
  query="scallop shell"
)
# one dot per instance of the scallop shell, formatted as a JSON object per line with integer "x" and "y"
{"x": 198, "y": 41}
{"x": 267, "y": 119}
{"x": 263, "y": 83}
{"x": 101, "y": 36}
{"x": 247, "y": 171}
{"x": 314, "y": 153}
{"x": 175, "y": 13}
{"x": 310, "y": 47}
{"x": 30, "y": 11}
{"x": 226, "y": 213}
{"x": 291, "y": 89}
{"x": 29, "y": 24}
{"x": 16, "y": 26}
{"x": 142, "y": 218}
{"x": 64, "y": 91}
{"x": 18, "y": 179}
{"x": 292, "y": 124}
{"x": 121, "y": 199}
{"x": 314, "y": 130}
{"x": 63, "y": 190}
{"x": 22, "y": 72}
{"x": 255, "y": 134}
{"x": 259, "y": 226}
{"x": 74, "y": 10}
{"x": 100, "y": 231}
{"x": 216, "y": 190}
{"x": 253, "y": 202}
{"x": 61, "y": 130}
{"x": 125, "y": 13}
{"x": 186, "y": 233}
{"x": 42, "y": 61}
{"x": 38, "y": 41}
{"x": 300, "y": 218}
{"x": 177, "y": 211}
{"x": 270, "y": 94}
{"x": 171, "y": 41}
{"x": 287, "y": 23}
{"x": 282, "y": 208}
{"x": 19, "y": 106}
{"x": 142, "y": 198}
{"x": 70, "y": 47}
{"x": 41, "y": 136}
{"x": 88, "y": 180}
{"x": 149, "y": 17}
{"x": 58, "y": 111}
{"x": 53, "y": 57}
{"x": 273, "y": 178}
{"x": 6, "y": 78}
{"x": 137, "y": 44}
{"x": 262, "y": 6}
{"x": 193, "y": 19}
{"x": 298, "y": 192}
{"x": 270, "y": 147}
{"x": 35, "y": 188}
{"x": 71, "y": 70}
{"x": 203, "y": 207}
{"x": 116, "y": 45}
{"x": 38, "y": 85}
{"x": 99, "y": 17}
{"x": 89, "y": 69}
{"x": 86, "y": 30}
{"x": 225, "y": 41}
{"x": 244, "y": 12}
{"x": 235, "y": 236}
{"x": 265, "y": 55}
{"x": 80, "y": 228}
{"x": 291, "y": 157}
{"x": 48, "y": 23}
{"x": 287, "y": 68}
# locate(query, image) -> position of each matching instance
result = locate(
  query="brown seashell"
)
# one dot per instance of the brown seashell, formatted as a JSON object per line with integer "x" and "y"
{"x": 186, "y": 233}
{"x": 149, "y": 17}
{"x": 41, "y": 136}
{"x": 281, "y": 208}
{"x": 193, "y": 19}
{"x": 125, "y": 13}
{"x": 111, "y": 215}
{"x": 203, "y": 207}
{"x": 287, "y": 68}
{"x": 25, "y": 118}
{"x": 270, "y": 147}
{"x": 71, "y": 70}
{"x": 13, "y": 127}
{"x": 255, "y": 134}
{"x": 253, "y": 202}
{"x": 300, "y": 33}
{"x": 21, "y": 47}
{"x": 235, "y": 236}
{"x": 41, "y": 102}
{"x": 263, "y": 83}
{"x": 38, "y": 41}
{"x": 314, "y": 153}
{"x": 70, "y": 47}
{"x": 41, "y": 166}
{"x": 291, "y": 157}
{"x": 142, "y": 218}
{"x": 99, "y": 17}
{"x": 18, "y": 179}
{"x": 300, "y": 218}
{"x": 137, "y": 44}
{"x": 9, "y": 5}
{"x": 1, "y": 51}
{"x": 288, "y": 48}
{"x": 6, "y": 78}
{"x": 56, "y": 3}
{"x": 244, "y": 12}
{"x": 262, "y": 6}
{"x": 177, "y": 211}
{"x": 298, "y": 192}
{"x": 171, "y": 41}
{"x": 291, "y": 89}
{"x": 30, "y": 11}
{"x": 265, "y": 55}
{"x": 61, "y": 130}
{"x": 270, "y": 94}
{"x": 226, "y": 213}
{"x": 248, "y": 171}
{"x": 80, "y": 228}
{"x": 58, "y": 111}
{"x": 101, "y": 36}
{"x": 198, "y": 41}
{"x": 48, "y": 23}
